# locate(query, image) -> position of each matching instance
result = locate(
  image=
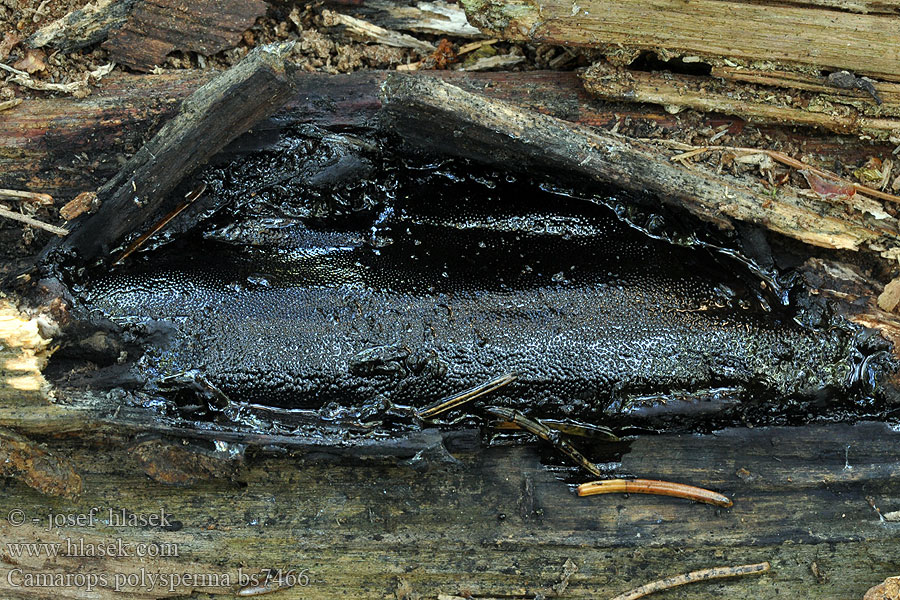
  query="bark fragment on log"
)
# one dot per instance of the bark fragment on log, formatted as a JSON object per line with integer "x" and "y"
{"x": 807, "y": 36}
{"x": 431, "y": 113}
{"x": 213, "y": 116}
{"x": 65, "y": 146}
{"x": 157, "y": 27}
{"x": 815, "y": 105}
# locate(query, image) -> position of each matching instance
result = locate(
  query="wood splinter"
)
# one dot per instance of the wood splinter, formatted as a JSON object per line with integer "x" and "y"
{"x": 654, "y": 487}
{"x": 461, "y": 398}
{"x": 692, "y": 577}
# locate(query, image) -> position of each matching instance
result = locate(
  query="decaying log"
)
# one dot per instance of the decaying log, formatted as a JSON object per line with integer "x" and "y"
{"x": 428, "y": 112}
{"x": 157, "y": 27}
{"x": 490, "y": 522}
{"x": 65, "y": 146}
{"x": 213, "y": 116}
{"x": 497, "y": 523}
{"x": 805, "y": 101}
{"x": 82, "y": 145}
{"x": 811, "y": 35}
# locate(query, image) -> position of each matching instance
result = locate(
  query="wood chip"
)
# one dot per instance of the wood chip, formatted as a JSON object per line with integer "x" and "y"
{"x": 32, "y": 62}
{"x": 501, "y": 61}
{"x": 9, "y": 41}
{"x": 82, "y": 203}
{"x": 83, "y": 27}
{"x": 8, "y": 104}
{"x": 22, "y": 459}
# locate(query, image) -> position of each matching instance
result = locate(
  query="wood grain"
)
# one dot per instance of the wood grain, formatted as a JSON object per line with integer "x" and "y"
{"x": 805, "y": 36}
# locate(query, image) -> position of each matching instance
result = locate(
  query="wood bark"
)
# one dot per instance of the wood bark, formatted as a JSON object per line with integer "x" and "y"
{"x": 86, "y": 139}
{"x": 63, "y": 146}
{"x": 428, "y": 112}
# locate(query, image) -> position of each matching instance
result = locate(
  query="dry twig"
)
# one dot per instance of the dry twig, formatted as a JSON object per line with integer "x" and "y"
{"x": 45, "y": 199}
{"x": 9, "y": 214}
{"x": 693, "y": 576}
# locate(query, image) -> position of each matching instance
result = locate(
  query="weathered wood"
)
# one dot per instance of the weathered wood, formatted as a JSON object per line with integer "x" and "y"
{"x": 818, "y": 105}
{"x": 213, "y": 116}
{"x": 429, "y": 113}
{"x": 369, "y": 32}
{"x": 498, "y": 523}
{"x": 83, "y": 27}
{"x": 65, "y": 146}
{"x": 806, "y": 36}
{"x": 157, "y": 27}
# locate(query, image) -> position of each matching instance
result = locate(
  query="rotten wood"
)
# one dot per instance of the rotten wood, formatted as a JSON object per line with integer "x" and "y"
{"x": 157, "y": 27}
{"x": 427, "y": 112}
{"x": 213, "y": 116}
{"x": 821, "y": 37}
{"x": 813, "y": 105}
{"x": 65, "y": 146}
{"x": 83, "y": 27}
{"x": 497, "y": 523}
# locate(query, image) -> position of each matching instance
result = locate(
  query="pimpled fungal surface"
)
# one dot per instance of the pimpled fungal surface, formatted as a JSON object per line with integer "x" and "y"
{"x": 448, "y": 282}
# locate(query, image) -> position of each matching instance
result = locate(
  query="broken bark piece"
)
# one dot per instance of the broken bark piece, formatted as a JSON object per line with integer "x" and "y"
{"x": 827, "y": 109}
{"x": 809, "y": 36}
{"x": 431, "y": 114}
{"x": 139, "y": 104}
{"x": 80, "y": 204}
{"x": 157, "y": 27}
{"x": 8, "y": 42}
{"x": 213, "y": 116}
{"x": 83, "y": 27}
{"x": 22, "y": 459}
